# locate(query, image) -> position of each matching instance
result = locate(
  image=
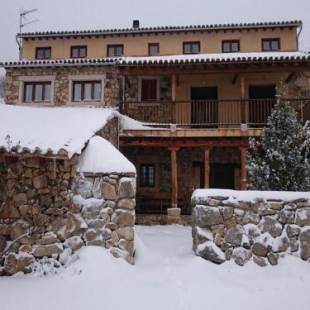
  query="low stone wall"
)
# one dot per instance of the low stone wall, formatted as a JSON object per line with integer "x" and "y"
{"x": 226, "y": 226}
{"x": 48, "y": 211}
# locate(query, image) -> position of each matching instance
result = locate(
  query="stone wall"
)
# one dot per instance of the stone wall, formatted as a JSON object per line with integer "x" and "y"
{"x": 226, "y": 227}
{"x": 61, "y": 82}
{"x": 46, "y": 210}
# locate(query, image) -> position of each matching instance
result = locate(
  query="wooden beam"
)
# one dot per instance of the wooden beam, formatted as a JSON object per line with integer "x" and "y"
{"x": 235, "y": 78}
{"x": 174, "y": 178}
{"x": 243, "y": 174}
{"x": 206, "y": 167}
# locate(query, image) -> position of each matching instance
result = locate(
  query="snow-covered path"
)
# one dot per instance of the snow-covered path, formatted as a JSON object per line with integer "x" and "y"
{"x": 166, "y": 276}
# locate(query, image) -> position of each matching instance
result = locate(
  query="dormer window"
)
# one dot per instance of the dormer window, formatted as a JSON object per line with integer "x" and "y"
{"x": 79, "y": 51}
{"x": 191, "y": 47}
{"x": 271, "y": 45}
{"x": 43, "y": 53}
{"x": 115, "y": 50}
{"x": 230, "y": 46}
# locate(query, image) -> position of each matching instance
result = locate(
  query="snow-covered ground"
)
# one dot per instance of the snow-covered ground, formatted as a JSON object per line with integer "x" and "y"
{"x": 166, "y": 276}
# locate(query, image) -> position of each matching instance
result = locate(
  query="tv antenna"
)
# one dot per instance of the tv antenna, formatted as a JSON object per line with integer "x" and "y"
{"x": 23, "y": 21}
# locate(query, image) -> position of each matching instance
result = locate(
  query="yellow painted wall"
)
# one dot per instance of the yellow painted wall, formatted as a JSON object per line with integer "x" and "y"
{"x": 170, "y": 44}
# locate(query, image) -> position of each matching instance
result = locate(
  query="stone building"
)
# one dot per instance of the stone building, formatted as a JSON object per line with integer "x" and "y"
{"x": 63, "y": 185}
{"x": 198, "y": 92}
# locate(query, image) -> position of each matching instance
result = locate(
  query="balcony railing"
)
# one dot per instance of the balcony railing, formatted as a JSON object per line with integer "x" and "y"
{"x": 210, "y": 113}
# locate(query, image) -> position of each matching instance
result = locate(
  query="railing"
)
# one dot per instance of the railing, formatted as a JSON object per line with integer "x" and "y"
{"x": 210, "y": 113}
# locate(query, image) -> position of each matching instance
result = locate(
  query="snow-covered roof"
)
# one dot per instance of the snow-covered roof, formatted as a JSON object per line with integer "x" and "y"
{"x": 100, "y": 156}
{"x": 218, "y": 58}
{"x": 210, "y": 58}
{"x": 55, "y": 130}
{"x": 164, "y": 29}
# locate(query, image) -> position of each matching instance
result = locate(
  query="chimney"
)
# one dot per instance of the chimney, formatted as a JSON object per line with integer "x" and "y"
{"x": 136, "y": 24}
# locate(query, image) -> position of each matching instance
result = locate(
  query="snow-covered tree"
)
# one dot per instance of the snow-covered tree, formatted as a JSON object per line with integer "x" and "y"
{"x": 280, "y": 159}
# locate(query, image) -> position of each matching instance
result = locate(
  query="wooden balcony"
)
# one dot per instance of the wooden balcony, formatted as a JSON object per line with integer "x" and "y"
{"x": 211, "y": 114}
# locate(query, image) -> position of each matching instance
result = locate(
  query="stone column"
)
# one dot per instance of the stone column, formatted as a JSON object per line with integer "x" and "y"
{"x": 244, "y": 162}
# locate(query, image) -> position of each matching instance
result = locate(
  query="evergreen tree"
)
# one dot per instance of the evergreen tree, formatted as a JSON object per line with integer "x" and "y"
{"x": 280, "y": 159}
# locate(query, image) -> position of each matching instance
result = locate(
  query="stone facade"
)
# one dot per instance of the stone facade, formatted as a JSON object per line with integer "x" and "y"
{"x": 46, "y": 210}
{"x": 61, "y": 76}
{"x": 225, "y": 228}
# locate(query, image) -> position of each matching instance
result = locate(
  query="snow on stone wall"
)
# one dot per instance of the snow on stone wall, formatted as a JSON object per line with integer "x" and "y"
{"x": 250, "y": 225}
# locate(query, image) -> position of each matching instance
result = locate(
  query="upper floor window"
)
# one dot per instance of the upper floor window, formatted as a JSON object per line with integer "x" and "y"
{"x": 115, "y": 50}
{"x": 191, "y": 47}
{"x": 270, "y": 45}
{"x": 153, "y": 49}
{"x": 86, "y": 91}
{"x": 37, "y": 91}
{"x": 43, "y": 53}
{"x": 230, "y": 46}
{"x": 147, "y": 175}
{"x": 78, "y": 51}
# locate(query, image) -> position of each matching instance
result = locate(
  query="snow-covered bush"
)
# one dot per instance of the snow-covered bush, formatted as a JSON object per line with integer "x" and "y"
{"x": 280, "y": 159}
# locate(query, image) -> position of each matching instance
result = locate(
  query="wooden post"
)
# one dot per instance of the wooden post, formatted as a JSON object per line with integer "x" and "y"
{"x": 174, "y": 178}
{"x": 244, "y": 161}
{"x": 173, "y": 87}
{"x": 206, "y": 168}
{"x": 243, "y": 105}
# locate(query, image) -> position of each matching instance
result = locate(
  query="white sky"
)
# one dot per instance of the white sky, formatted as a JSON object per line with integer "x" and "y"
{"x": 100, "y": 14}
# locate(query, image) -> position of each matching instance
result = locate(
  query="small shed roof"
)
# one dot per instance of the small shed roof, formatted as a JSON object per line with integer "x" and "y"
{"x": 100, "y": 156}
{"x": 50, "y": 131}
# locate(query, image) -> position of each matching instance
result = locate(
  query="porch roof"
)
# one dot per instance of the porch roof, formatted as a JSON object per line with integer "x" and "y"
{"x": 218, "y": 58}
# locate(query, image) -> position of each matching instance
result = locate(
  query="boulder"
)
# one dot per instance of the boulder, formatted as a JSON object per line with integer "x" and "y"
{"x": 260, "y": 261}
{"x": 252, "y": 232}
{"x": 126, "y": 233}
{"x": 270, "y": 225}
{"x": 273, "y": 258}
{"x": 74, "y": 243}
{"x": 108, "y": 191}
{"x": 127, "y": 246}
{"x": 83, "y": 187}
{"x": 286, "y": 216}
{"x": 250, "y": 217}
{"x": 292, "y": 231}
{"x": 205, "y": 216}
{"x": 39, "y": 182}
{"x": 47, "y": 250}
{"x": 48, "y": 238}
{"x": 126, "y": 204}
{"x": 19, "y": 228}
{"x": 260, "y": 249}
{"x": 21, "y": 262}
{"x": 201, "y": 235}
{"x": 227, "y": 212}
{"x": 234, "y": 235}
{"x": 302, "y": 217}
{"x": 96, "y": 189}
{"x": 211, "y": 252}
{"x": 91, "y": 208}
{"x": 241, "y": 255}
{"x": 64, "y": 257}
{"x": 126, "y": 188}
{"x": 281, "y": 244}
{"x": 20, "y": 199}
{"x": 294, "y": 244}
{"x": 123, "y": 218}
{"x": 305, "y": 244}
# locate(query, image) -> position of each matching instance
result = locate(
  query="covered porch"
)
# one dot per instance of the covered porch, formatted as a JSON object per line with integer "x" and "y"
{"x": 169, "y": 170}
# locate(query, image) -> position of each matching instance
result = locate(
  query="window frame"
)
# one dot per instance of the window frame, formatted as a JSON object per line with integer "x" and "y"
{"x": 45, "y": 48}
{"x": 33, "y": 84}
{"x": 115, "y": 46}
{"x": 270, "y": 40}
{"x": 145, "y": 183}
{"x": 230, "y": 45}
{"x": 79, "y": 47}
{"x": 150, "y": 45}
{"x": 83, "y": 83}
{"x": 192, "y": 43}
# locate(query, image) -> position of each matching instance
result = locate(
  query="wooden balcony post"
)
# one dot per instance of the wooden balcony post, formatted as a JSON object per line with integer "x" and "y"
{"x": 174, "y": 177}
{"x": 206, "y": 167}
{"x": 243, "y": 105}
{"x": 244, "y": 162}
{"x": 173, "y": 87}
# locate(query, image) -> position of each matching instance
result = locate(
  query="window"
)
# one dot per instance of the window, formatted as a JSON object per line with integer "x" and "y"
{"x": 86, "y": 91}
{"x": 147, "y": 176}
{"x": 115, "y": 50}
{"x": 269, "y": 45}
{"x": 43, "y": 53}
{"x": 149, "y": 89}
{"x": 191, "y": 47}
{"x": 231, "y": 46}
{"x": 37, "y": 91}
{"x": 153, "y": 49}
{"x": 78, "y": 51}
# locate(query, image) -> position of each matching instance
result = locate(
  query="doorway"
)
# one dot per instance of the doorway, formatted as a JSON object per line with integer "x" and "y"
{"x": 204, "y": 106}
{"x": 261, "y": 103}
{"x": 222, "y": 176}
